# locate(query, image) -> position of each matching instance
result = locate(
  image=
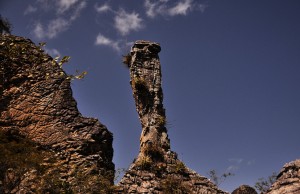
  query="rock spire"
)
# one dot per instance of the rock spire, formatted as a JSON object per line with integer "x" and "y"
{"x": 145, "y": 80}
{"x": 156, "y": 170}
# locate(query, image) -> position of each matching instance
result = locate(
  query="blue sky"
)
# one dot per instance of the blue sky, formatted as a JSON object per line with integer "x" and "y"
{"x": 231, "y": 74}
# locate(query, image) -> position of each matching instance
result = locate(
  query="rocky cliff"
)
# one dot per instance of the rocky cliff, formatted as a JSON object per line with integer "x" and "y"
{"x": 156, "y": 169}
{"x": 288, "y": 180}
{"x": 37, "y": 107}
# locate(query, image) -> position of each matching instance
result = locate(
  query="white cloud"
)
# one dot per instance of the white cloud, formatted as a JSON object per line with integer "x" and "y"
{"x": 38, "y": 31}
{"x": 103, "y": 8}
{"x": 54, "y": 27}
{"x": 156, "y": 8}
{"x": 52, "y": 52}
{"x": 181, "y": 8}
{"x": 78, "y": 10}
{"x": 232, "y": 168}
{"x": 151, "y": 10}
{"x": 202, "y": 7}
{"x": 169, "y": 8}
{"x": 30, "y": 9}
{"x": 250, "y": 162}
{"x": 64, "y": 5}
{"x": 236, "y": 160}
{"x": 68, "y": 11}
{"x": 46, "y": 5}
{"x": 102, "y": 40}
{"x": 126, "y": 22}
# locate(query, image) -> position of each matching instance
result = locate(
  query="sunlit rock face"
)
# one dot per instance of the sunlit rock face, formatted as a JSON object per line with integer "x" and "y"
{"x": 288, "y": 180}
{"x": 156, "y": 169}
{"x": 36, "y": 103}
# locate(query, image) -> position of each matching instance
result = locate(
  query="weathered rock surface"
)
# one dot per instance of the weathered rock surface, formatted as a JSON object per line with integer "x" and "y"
{"x": 244, "y": 189}
{"x": 156, "y": 169}
{"x": 36, "y": 102}
{"x": 288, "y": 180}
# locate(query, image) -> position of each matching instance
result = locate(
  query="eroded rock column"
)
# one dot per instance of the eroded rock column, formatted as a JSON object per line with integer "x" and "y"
{"x": 145, "y": 75}
{"x": 157, "y": 169}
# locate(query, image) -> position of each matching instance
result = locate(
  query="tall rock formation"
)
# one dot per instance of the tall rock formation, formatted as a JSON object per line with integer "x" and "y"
{"x": 288, "y": 180}
{"x": 36, "y": 105}
{"x": 156, "y": 169}
{"x": 145, "y": 79}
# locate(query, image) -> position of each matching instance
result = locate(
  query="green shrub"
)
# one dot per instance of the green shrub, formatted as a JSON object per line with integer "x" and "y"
{"x": 179, "y": 167}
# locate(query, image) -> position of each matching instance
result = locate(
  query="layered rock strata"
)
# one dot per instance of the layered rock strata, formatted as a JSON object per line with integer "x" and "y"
{"x": 36, "y": 103}
{"x": 156, "y": 169}
{"x": 288, "y": 180}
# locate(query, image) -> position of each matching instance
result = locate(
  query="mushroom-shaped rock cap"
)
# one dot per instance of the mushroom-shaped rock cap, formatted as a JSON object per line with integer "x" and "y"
{"x": 244, "y": 189}
{"x": 144, "y": 45}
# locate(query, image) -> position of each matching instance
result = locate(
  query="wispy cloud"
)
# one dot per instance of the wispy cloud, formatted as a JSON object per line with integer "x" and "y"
{"x": 250, "y": 162}
{"x": 45, "y": 5}
{"x": 52, "y": 52}
{"x": 232, "y": 168}
{"x": 102, "y": 8}
{"x": 236, "y": 160}
{"x": 78, "y": 10}
{"x": 168, "y": 8}
{"x": 64, "y": 5}
{"x": 154, "y": 8}
{"x": 126, "y": 22}
{"x": 54, "y": 27}
{"x": 38, "y": 30}
{"x": 30, "y": 9}
{"x": 181, "y": 8}
{"x": 235, "y": 164}
{"x": 67, "y": 12}
{"x": 202, "y": 7}
{"x": 102, "y": 40}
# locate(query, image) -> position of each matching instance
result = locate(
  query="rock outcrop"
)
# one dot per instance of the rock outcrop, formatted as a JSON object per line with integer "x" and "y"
{"x": 156, "y": 168}
{"x": 288, "y": 180}
{"x": 244, "y": 189}
{"x": 36, "y": 104}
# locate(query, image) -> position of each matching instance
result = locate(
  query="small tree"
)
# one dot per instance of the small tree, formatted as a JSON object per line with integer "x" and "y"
{"x": 218, "y": 179}
{"x": 5, "y": 26}
{"x": 263, "y": 184}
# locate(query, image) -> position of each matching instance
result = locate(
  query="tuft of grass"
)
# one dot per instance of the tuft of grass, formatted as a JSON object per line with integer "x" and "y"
{"x": 154, "y": 152}
{"x": 127, "y": 59}
{"x": 161, "y": 121}
{"x": 145, "y": 163}
{"x": 179, "y": 167}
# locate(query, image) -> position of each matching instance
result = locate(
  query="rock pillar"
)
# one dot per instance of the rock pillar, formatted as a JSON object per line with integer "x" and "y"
{"x": 145, "y": 80}
{"x": 157, "y": 169}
